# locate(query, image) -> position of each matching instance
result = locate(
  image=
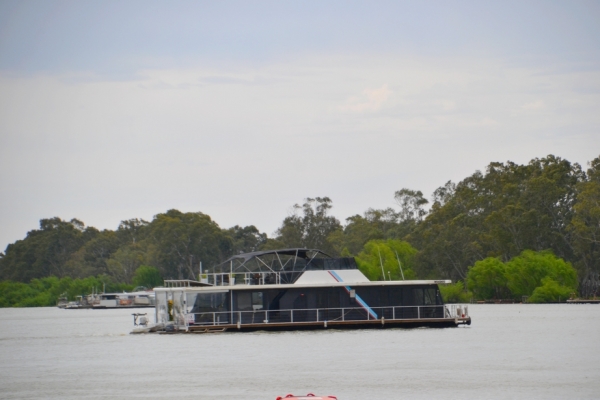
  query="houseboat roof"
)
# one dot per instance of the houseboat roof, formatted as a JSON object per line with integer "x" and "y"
{"x": 289, "y": 261}
{"x": 297, "y": 252}
{"x": 297, "y": 285}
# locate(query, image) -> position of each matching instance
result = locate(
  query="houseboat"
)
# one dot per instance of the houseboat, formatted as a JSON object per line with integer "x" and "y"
{"x": 293, "y": 289}
{"x": 138, "y": 299}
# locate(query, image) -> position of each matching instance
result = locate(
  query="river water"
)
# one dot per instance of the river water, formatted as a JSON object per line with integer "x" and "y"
{"x": 509, "y": 352}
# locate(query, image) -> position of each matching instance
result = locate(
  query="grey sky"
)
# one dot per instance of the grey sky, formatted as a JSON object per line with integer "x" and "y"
{"x": 116, "y": 110}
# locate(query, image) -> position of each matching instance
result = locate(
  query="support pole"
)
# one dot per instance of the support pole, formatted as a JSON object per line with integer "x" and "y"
{"x": 399, "y": 264}
{"x": 381, "y": 263}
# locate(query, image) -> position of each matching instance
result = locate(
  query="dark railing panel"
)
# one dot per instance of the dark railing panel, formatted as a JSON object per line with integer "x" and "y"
{"x": 319, "y": 315}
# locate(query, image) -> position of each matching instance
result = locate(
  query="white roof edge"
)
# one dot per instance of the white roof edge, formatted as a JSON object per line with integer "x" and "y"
{"x": 349, "y": 276}
{"x": 297, "y": 286}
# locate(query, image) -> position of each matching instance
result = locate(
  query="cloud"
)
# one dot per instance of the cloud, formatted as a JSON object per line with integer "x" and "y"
{"x": 107, "y": 150}
{"x": 370, "y": 100}
{"x": 534, "y": 106}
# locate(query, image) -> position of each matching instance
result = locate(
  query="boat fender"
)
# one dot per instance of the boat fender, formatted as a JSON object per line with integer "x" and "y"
{"x": 239, "y": 325}
{"x": 325, "y": 324}
{"x": 382, "y": 321}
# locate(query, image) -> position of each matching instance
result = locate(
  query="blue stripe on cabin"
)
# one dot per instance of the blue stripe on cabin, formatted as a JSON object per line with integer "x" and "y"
{"x": 358, "y": 298}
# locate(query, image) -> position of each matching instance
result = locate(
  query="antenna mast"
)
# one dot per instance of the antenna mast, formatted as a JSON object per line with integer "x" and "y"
{"x": 399, "y": 264}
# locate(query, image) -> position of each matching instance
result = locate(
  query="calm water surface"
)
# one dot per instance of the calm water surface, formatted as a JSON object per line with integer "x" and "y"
{"x": 510, "y": 352}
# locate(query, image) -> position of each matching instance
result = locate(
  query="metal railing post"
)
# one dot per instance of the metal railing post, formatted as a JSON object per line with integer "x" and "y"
{"x": 418, "y": 312}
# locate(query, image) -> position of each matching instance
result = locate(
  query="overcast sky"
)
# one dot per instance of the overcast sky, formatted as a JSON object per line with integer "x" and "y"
{"x": 112, "y": 110}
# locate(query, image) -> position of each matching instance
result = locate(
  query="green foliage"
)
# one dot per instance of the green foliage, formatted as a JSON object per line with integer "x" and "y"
{"x": 125, "y": 261}
{"x": 310, "y": 226}
{"x": 585, "y": 229}
{"x": 550, "y": 292}
{"x": 174, "y": 242}
{"x": 487, "y": 279}
{"x": 92, "y": 258}
{"x": 147, "y": 276}
{"x": 525, "y": 272}
{"x": 179, "y": 241}
{"x": 388, "y": 253}
{"x": 44, "y": 292}
{"x": 455, "y": 293}
{"x": 499, "y": 213}
{"x": 411, "y": 204}
{"x": 541, "y": 275}
{"x": 373, "y": 225}
{"x": 12, "y": 294}
{"x": 246, "y": 239}
{"x": 46, "y": 251}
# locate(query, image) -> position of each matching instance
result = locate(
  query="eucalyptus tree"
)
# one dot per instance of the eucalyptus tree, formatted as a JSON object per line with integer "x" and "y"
{"x": 180, "y": 241}
{"x": 499, "y": 213}
{"x": 411, "y": 204}
{"x": 91, "y": 259}
{"x": 585, "y": 230}
{"x": 246, "y": 239}
{"x": 310, "y": 226}
{"x": 45, "y": 251}
{"x": 132, "y": 230}
{"x": 533, "y": 207}
{"x": 373, "y": 224}
{"x": 125, "y": 261}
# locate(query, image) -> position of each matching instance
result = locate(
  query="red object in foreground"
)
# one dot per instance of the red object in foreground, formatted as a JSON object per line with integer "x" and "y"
{"x": 309, "y": 396}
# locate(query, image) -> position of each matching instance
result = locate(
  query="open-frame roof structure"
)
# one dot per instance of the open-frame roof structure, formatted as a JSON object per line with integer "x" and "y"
{"x": 286, "y": 263}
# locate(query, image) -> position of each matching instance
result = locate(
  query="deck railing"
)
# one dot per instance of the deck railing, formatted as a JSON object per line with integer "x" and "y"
{"x": 251, "y": 278}
{"x": 314, "y": 315}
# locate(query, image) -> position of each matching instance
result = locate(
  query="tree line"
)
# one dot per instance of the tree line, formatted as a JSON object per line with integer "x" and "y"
{"x": 549, "y": 207}
{"x": 44, "y": 292}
